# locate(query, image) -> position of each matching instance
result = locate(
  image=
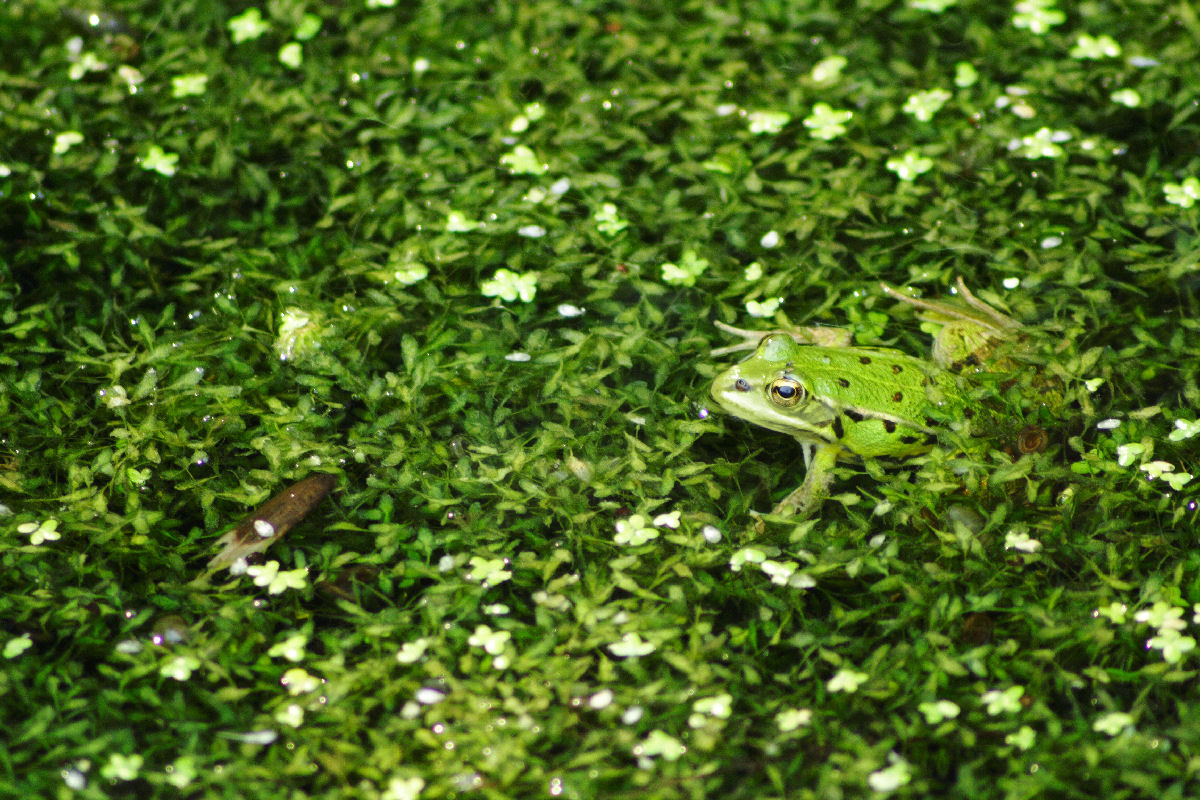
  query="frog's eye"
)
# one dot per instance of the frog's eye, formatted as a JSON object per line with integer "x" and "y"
{"x": 786, "y": 392}
{"x": 742, "y": 385}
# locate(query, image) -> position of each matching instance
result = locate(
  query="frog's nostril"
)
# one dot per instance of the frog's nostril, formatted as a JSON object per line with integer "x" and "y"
{"x": 742, "y": 385}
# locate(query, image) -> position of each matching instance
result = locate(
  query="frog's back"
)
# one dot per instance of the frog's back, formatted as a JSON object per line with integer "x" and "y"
{"x": 880, "y": 383}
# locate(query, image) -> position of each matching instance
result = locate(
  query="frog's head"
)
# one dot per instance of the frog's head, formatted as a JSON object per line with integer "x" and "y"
{"x": 766, "y": 390}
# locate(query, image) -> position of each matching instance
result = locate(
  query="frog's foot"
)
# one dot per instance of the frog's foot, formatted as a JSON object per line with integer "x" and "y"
{"x": 816, "y": 334}
{"x": 807, "y": 498}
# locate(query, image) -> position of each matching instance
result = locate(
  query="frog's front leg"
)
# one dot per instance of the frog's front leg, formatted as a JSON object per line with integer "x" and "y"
{"x": 808, "y": 497}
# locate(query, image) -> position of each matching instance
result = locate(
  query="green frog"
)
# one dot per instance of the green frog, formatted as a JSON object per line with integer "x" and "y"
{"x": 841, "y": 402}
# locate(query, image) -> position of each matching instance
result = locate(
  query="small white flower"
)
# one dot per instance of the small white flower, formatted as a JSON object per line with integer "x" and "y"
{"x": 291, "y": 715}
{"x": 669, "y": 519}
{"x": 1126, "y": 97}
{"x": 660, "y": 744}
{"x": 298, "y": 681}
{"x": 770, "y": 239}
{"x": 1112, "y": 723}
{"x": 608, "y": 221}
{"x": 791, "y": 719}
{"x": 291, "y": 55}
{"x": 1023, "y": 739}
{"x": 65, "y": 141}
{"x": 965, "y": 74}
{"x": 509, "y": 286}
{"x": 1092, "y": 48}
{"x": 428, "y": 696}
{"x": 522, "y": 161}
{"x": 767, "y": 121}
{"x": 1184, "y": 429}
{"x": 181, "y": 772}
{"x": 1184, "y": 194}
{"x": 685, "y": 273}
{"x": 488, "y": 571}
{"x": 846, "y": 680}
{"x": 404, "y": 788}
{"x": 193, "y": 83}
{"x": 801, "y": 580}
{"x": 828, "y": 70}
{"x": 601, "y": 699}
{"x": 923, "y": 105}
{"x": 179, "y": 667}
{"x": 531, "y": 231}
{"x": 457, "y": 222}
{"x": 631, "y": 646}
{"x": 747, "y": 555}
{"x": 939, "y": 710}
{"x": 88, "y": 62}
{"x": 411, "y": 652}
{"x": 765, "y": 308}
{"x": 17, "y": 645}
{"x": 719, "y": 706}
{"x": 633, "y": 531}
{"x": 247, "y": 25}
{"x": 780, "y": 572}
{"x": 1128, "y": 453}
{"x": 492, "y": 642}
{"x": 1173, "y": 645}
{"x": 40, "y": 532}
{"x": 121, "y": 767}
{"x": 1020, "y": 540}
{"x": 270, "y": 576}
{"x": 1043, "y": 144}
{"x": 1038, "y": 16}
{"x": 1114, "y": 612}
{"x": 1007, "y": 701}
{"x": 891, "y": 777}
{"x": 826, "y": 122}
{"x": 1161, "y": 615}
{"x": 406, "y": 272}
{"x": 909, "y": 165}
{"x": 291, "y": 648}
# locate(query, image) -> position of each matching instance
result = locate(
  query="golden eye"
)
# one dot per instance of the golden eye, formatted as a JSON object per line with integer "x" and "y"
{"x": 786, "y": 392}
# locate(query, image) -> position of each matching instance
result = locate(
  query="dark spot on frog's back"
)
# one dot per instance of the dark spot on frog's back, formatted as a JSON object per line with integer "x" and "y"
{"x": 889, "y": 426}
{"x": 864, "y": 359}
{"x": 898, "y": 397}
{"x": 897, "y": 369}
{"x": 844, "y": 383}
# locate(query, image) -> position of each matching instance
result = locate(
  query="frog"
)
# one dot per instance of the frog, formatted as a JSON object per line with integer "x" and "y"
{"x": 845, "y": 402}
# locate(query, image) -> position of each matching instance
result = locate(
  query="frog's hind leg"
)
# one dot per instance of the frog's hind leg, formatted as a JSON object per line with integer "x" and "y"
{"x": 816, "y": 334}
{"x": 977, "y": 312}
